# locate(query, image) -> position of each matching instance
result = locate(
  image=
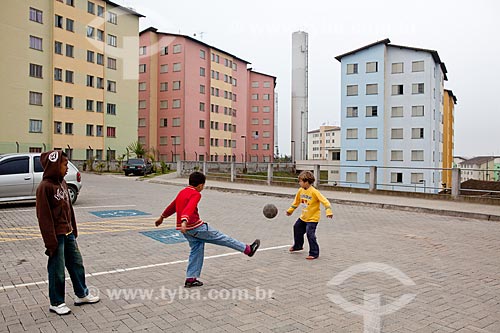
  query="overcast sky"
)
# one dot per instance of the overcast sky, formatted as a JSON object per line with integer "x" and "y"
{"x": 464, "y": 34}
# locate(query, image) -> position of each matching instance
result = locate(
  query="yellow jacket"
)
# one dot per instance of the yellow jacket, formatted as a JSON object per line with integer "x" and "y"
{"x": 309, "y": 200}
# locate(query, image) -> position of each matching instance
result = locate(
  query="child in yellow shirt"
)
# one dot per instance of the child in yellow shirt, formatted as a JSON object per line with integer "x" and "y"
{"x": 309, "y": 198}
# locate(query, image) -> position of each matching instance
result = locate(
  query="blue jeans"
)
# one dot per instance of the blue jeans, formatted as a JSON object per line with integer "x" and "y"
{"x": 67, "y": 254}
{"x": 197, "y": 239}
{"x": 299, "y": 229}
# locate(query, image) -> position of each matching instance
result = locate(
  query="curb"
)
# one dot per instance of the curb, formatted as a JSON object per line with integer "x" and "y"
{"x": 442, "y": 212}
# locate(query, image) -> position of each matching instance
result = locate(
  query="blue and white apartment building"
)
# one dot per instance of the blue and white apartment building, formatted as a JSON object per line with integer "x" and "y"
{"x": 392, "y": 117}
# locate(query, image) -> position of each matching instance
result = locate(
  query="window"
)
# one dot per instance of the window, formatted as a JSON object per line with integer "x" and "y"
{"x": 58, "y": 21}
{"x": 36, "y": 71}
{"x": 201, "y": 141}
{"x": 177, "y": 67}
{"x": 202, "y": 71}
{"x": 371, "y": 133}
{"x": 163, "y": 140}
{"x": 417, "y": 155}
{"x": 417, "y": 133}
{"x": 176, "y": 85}
{"x": 255, "y": 97}
{"x": 35, "y": 126}
{"x": 372, "y": 67}
{"x": 163, "y": 122}
{"x": 142, "y": 122}
{"x": 396, "y": 111}
{"x": 100, "y": 11}
{"x": 164, "y": 50}
{"x": 68, "y": 128}
{"x": 176, "y": 104}
{"x": 267, "y": 84}
{"x": 417, "y": 88}
{"x": 100, "y": 59}
{"x": 176, "y": 122}
{"x": 352, "y": 90}
{"x": 68, "y": 102}
{"x": 202, "y": 106}
{"x": 202, "y": 89}
{"x": 36, "y": 15}
{"x": 352, "y": 69}
{"x": 57, "y": 127}
{"x": 142, "y": 104}
{"x": 201, "y": 124}
{"x": 352, "y": 112}
{"x": 69, "y": 50}
{"x": 255, "y": 121}
{"x": 255, "y": 146}
{"x": 351, "y": 177}
{"x": 58, "y": 47}
{"x": 100, "y": 83}
{"x": 164, "y": 68}
{"x": 98, "y": 130}
{"x": 90, "y": 81}
{"x": 58, "y": 101}
{"x": 36, "y": 43}
{"x": 371, "y": 111}
{"x": 396, "y": 155}
{"x": 142, "y": 68}
{"x": 112, "y": 18}
{"x": 396, "y": 177}
{"x": 417, "y": 66}
{"x": 112, "y": 40}
{"x": 111, "y": 86}
{"x": 142, "y": 86}
{"x": 266, "y": 121}
{"x": 142, "y": 50}
{"x": 70, "y": 24}
{"x": 202, "y": 54}
{"x": 266, "y": 109}
{"x": 397, "y": 89}
{"x": 372, "y": 89}
{"x": 396, "y": 133}
{"x": 397, "y": 67}
{"x": 35, "y": 98}
{"x": 99, "y": 106}
{"x": 266, "y": 97}
{"x": 100, "y": 35}
{"x": 352, "y": 133}
{"x": 164, "y": 104}
{"x": 255, "y": 109}
{"x": 90, "y": 32}
{"x": 417, "y": 111}
{"x": 176, "y": 140}
{"x": 416, "y": 177}
{"x": 111, "y": 63}
{"x": 163, "y": 86}
{"x": 111, "y": 109}
{"x": 370, "y": 155}
{"x": 351, "y": 155}
{"x": 255, "y": 84}
{"x": 177, "y": 48}
{"x": 90, "y": 7}
{"x": 90, "y": 56}
{"x": 111, "y": 132}
{"x": 90, "y": 105}
{"x": 57, "y": 74}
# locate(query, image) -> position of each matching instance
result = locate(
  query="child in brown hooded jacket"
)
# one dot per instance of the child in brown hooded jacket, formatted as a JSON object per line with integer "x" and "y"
{"x": 57, "y": 223}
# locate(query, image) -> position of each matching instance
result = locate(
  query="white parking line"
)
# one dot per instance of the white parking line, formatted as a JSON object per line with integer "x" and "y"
{"x": 122, "y": 270}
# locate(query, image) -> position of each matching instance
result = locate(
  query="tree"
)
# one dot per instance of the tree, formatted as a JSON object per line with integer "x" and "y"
{"x": 138, "y": 149}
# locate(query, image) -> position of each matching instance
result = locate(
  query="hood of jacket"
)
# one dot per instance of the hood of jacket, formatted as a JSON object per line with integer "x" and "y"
{"x": 51, "y": 163}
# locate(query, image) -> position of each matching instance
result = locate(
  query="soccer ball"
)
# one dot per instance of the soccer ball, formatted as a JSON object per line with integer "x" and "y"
{"x": 270, "y": 211}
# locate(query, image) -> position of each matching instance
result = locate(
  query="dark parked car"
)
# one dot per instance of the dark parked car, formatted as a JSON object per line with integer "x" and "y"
{"x": 138, "y": 166}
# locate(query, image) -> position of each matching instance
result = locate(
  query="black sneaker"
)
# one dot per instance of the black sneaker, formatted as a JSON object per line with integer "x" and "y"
{"x": 253, "y": 247}
{"x": 190, "y": 284}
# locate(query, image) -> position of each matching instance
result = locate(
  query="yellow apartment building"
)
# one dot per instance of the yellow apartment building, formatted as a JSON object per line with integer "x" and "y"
{"x": 70, "y": 75}
{"x": 449, "y": 101}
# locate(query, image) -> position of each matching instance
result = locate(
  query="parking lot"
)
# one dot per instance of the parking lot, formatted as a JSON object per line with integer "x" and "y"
{"x": 379, "y": 270}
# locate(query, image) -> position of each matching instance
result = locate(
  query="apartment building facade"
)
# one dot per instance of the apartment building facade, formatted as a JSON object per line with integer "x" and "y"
{"x": 450, "y": 100}
{"x": 200, "y": 103}
{"x": 66, "y": 83}
{"x": 324, "y": 143}
{"x": 392, "y": 116}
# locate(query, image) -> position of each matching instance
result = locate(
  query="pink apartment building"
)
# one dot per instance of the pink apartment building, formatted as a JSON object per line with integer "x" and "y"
{"x": 197, "y": 102}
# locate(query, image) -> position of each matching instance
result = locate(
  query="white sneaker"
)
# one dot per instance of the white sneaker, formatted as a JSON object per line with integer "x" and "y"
{"x": 89, "y": 299}
{"x": 60, "y": 309}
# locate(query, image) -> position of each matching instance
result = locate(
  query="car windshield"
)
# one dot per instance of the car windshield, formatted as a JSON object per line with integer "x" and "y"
{"x": 135, "y": 160}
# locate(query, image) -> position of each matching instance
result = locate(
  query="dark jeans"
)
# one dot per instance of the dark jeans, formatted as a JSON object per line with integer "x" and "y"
{"x": 67, "y": 254}
{"x": 299, "y": 229}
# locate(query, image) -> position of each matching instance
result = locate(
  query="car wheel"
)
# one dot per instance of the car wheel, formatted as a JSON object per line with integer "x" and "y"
{"x": 73, "y": 194}
{"x": 126, "y": 174}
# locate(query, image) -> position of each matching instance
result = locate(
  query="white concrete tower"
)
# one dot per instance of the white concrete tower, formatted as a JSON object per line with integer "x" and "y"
{"x": 299, "y": 96}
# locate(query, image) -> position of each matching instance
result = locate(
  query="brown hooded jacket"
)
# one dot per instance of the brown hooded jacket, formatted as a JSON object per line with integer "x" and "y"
{"x": 53, "y": 205}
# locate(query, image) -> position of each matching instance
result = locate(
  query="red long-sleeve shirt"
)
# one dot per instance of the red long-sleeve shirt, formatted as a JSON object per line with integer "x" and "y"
{"x": 186, "y": 207}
